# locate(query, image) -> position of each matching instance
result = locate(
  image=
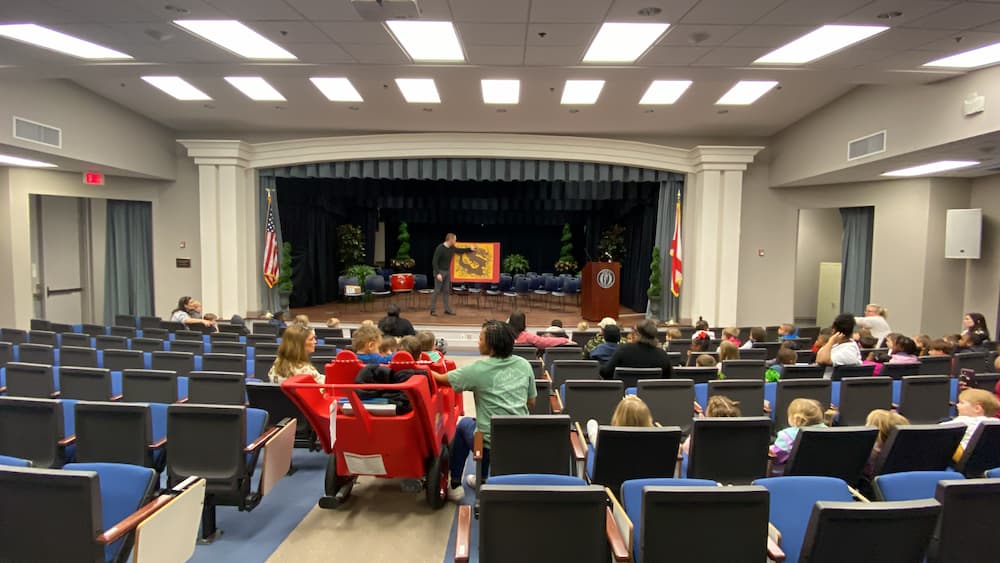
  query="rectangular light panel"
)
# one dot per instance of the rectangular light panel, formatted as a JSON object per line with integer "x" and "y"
{"x": 337, "y": 89}
{"x": 982, "y": 56}
{"x": 18, "y": 161}
{"x": 177, "y": 87}
{"x": 55, "y": 41}
{"x": 237, "y": 38}
{"x": 255, "y": 88}
{"x": 433, "y": 41}
{"x": 746, "y": 92}
{"x": 623, "y": 42}
{"x": 581, "y": 92}
{"x": 501, "y": 91}
{"x": 419, "y": 90}
{"x": 662, "y": 92}
{"x": 932, "y": 168}
{"x": 820, "y": 43}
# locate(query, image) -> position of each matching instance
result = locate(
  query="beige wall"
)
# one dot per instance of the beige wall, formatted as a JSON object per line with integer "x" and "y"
{"x": 820, "y": 233}
{"x": 944, "y": 278}
{"x": 982, "y": 283}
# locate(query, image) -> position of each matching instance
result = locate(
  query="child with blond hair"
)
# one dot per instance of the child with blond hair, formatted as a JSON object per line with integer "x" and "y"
{"x": 802, "y": 413}
{"x": 719, "y": 406}
{"x": 974, "y": 406}
{"x": 631, "y": 411}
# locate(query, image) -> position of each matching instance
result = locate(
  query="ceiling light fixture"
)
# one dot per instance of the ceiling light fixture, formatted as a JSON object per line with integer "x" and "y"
{"x": 501, "y": 91}
{"x": 237, "y": 38}
{"x": 18, "y": 161}
{"x": 419, "y": 90}
{"x": 177, "y": 87}
{"x": 427, "y": 41}
{"x": 746, "y": 92}
{"x": 623, "y": 42}
{"x": 932, "y": 168}
{"x": 820, "y": 43}
{"x": 255, "y": 88}
{"x": 56, "y": 41}
{"x": 662, "y": 92}
{"x": 337, "y": 89}
{"x": 982, "y": 56}
{"x": 580, "y": 92}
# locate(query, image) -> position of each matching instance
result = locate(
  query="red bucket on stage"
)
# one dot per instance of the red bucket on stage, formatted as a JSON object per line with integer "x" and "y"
{"x": 401, "y": 282}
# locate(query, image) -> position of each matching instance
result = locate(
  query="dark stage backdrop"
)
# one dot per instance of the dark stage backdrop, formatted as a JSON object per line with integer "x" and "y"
{"x": 525, "y": 217}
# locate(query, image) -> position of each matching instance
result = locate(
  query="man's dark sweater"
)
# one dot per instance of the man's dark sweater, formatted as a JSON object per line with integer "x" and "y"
{"x": 441, "y": 262}
{"x": 637, "y": 355}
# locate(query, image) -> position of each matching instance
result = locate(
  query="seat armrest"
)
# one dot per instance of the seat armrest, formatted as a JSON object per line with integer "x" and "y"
{"x": 698, "y": 409}
{"x": 114, "y": 533}
{"x": 477, "y": 446}
{"x": 158, "y": 444}
{"x": 895, "y": 406}
{"x": 3, "y": 389}
{"x": 554, "y": 405}
{"x": 618, "y": 549}
{"x": 579, "y": 451}
{"x": 774, "y": 552}
{"x": 262, "y": 439}
{"x": 182, "y": 401}
{"x": 55, "y": 394}
{"x": 116, "y": 398}
{"x": 857, "y": 494}
{"x": 67, "y": 441}
{"x": 462, "y": 534}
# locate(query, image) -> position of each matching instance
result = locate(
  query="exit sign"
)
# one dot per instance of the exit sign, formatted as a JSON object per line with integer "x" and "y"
{"x": 93, "y": 178}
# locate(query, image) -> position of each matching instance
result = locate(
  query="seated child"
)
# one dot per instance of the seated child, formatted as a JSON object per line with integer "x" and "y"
{"x": 410, "y": 344}
{"x": 705, "y": 361}
{"x": 333, "y": 322}
{"x": 631, "y": 411}
{"x": 923, "y": 342}
{"x": 719, "y": 406}
{"x": 974, "y": 406}
{"x": 757, "y": 334}
{"x": 904, "y": 351}
{"x": 603, "y": 352}
{"x": 824, "y": 335}
{"x": 731, "y": 334}
{"x": 365, "y": 341}
{"x": 426, "y": 338}
{"x": 388, "y": 346}
{"x": 787, "y": 331}
{"x": 582, "y": 326}
{"x": 885, "y": 421}
{"x": 802, "y": 413}
{"x": 940, "y": 347}
{"x": 785, "y": 357}
{"x": 701, "y": 327}
{"x": 700, "y": 342}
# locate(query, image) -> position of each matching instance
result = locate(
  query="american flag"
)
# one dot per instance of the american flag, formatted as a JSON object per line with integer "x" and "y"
{"x": 270, "y": 248}
{"x": 676, "y": 262}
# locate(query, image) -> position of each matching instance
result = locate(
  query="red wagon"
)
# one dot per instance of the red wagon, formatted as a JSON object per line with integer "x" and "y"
{"x": 370, "y": 439}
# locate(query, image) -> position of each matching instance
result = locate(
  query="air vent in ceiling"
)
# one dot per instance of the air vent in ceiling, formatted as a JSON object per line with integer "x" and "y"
{"x": 27, "y": 130}
{"x": 383, "y": 10}
{"x": 866, "y": 146}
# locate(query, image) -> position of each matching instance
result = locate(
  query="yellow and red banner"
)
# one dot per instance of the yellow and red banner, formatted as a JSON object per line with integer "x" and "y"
{"x": 482, "y": 265}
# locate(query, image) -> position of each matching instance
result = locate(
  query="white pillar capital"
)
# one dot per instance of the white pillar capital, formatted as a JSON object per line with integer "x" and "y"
{"x": 712, "y": 157}
{"x": 219, "y": 152}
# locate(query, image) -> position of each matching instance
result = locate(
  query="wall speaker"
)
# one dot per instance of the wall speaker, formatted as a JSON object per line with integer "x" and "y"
{"x": 963, "y": 233}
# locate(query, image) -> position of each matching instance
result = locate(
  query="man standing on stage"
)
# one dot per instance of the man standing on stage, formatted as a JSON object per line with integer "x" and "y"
{"x": 441, "y": 265}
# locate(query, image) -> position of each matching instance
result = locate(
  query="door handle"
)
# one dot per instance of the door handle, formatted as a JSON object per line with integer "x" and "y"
{"x": 50, "y": 292}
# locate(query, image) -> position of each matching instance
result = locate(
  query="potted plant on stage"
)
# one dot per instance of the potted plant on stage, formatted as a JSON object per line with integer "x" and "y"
{"x": 351, "y": 251}
{"x": 612, "y": 244}
{"x": 515, "y": 264}
{"x": 361, "y": 272}
{"x": 655, "y": 291}
{"x": 285, "y": 285}
{"x": 566, "y": 263}
{"x": 402, "y": 265}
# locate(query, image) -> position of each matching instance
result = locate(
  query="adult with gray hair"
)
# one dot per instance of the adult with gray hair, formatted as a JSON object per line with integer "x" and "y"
{"x": 875, "y": 321}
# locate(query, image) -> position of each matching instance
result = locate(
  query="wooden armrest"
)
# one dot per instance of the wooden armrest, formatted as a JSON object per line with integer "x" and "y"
{"x": 774, "y": 553}
{"x": 895, "y": 405}
{"x": 262, "y": 439}
{"x": 3, "y": 389}
{"x": 857, "y": 494}
{"x": 774, "y": 533}
{"x": 834, "y": 407}
{"x": 698, "y": 409}
{"x": 66, "y": 441}
{"x": 545, "y": 375}
{"x": 554, "y": 404}
{"x": 182, "y": 401}
{"x": 658, "y": 425}
{"x": 116, "y": 397}
{"x": 462, "y": 534}
{"x": 579, "y": 452}
{"x": 55, "y": 394}
{"x": 477, "y": 446}
{"x": 767, "y": 406}
{"x": 618, "y": 549}
{"x": 158, "y": 444}
{"x": 114, "y": 533}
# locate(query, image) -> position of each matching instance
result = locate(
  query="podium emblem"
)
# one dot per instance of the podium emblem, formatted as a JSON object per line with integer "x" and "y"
{"x": 606, "y": 279}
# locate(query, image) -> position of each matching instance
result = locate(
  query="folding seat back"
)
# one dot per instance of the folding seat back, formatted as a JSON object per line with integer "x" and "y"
{"x": 832, "y": 452}
{"x": 120, "y": 360}
{"x": 750, "y": 394}
{"x": 264, "y": 327}
{"x": 561, "y": 353}
{"x": 634, "y": 453}
{"x": 239, "y": 330}
{"x": 6, "y": 353}
{"x": 582, "y": 337}
{"x": 791, "y": 503}
{"x": 180, "y": 362}
{"x": 562, "y": 371}
{"x": 910, "y": 485}
{"x": 596, "y": 400}
{"x": 30, "y": 380}
{"x": 804, "y": 357}
{"x": 729, "y": 450}
{"x": 845, "y": 372}
{"x": 262, "y": 365}
{"x": 149, "y": 322}
{"x": 266, "y": 348}
{"x": 968, "y": 360}
{"x": 965, "y": 530}
{"x": 919, "y": 447}
{"x": 982, "y": 453}
{"x": 110, "y": 342}
{"x": 860, "y": 396}
{"x": 114, "y": 433}
{"x": 574, "y": 520}
{"x": 224, "y": 337}
{"x": 40, "y": 324}
{"x": 149, "y": 386}
{"x": 147, "y": 344}
{"x": 125, "y": 331}
{"x": 670, "y": 401}
{"x": 158, "y": 333}
{"x": 744, "y": 369}
{"x": 270, "y": 398}
{"x": 60, "y": 328}
{"x": 85, "y": 384}
{"x": 787, "y": 391}
{"x": 226, "y": 347}
{"x": 78, "y": 356}
{"x": 530, "y": 444}
{"x": 36, "y": 354}
{"x": 696, "y": 374}
{"x": 320, "y": 362}
{"x": 987, "y": 381}
{"x": 925, "y": 399}
{"x": 216, "y": 388}
{"x": 680, "y": 345}
{"x": 233, "y": 363}
{"x": 340, "y": 343}
{"x": 771, "y": 347}
{"x": 325, "y": 350}
{"x": 802, "y": 372}
{"x": 94, "y": 329}
{"x": 898, "y": 371}
{"x": 536, "y": 368}
{"x": 42, "y": 337}
{"x": 935, "y": 365}
{"x": 195, "y": 347}
{"x": 39, "y": 424}
{"x": 542, "y": 403}
{"x": 630, "y": 376}
{"x": 323, "y": 332}
{"x": 13, "y": 335}
{"x": 189, "y": 335}
{"x": 887, "y": 532}
{"x": 753, "y": 354}
{"x": 684, "y": 523}
{"x": 526, "y": 352}
{"x": 126, "y": 321}
{"x": 74, "y": 339}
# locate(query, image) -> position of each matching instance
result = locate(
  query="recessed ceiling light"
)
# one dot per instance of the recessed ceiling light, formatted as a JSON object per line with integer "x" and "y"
{"x": 932, "y": 168}
{"x": 337, "y": 89}
{"x": 623, "y": 42}
{"x": 577, "y": 92}
{"x": 419, "y": 90}
{"x": 177, "y": 87}
{"x": 433, "y": 41}
{"x": 18, "y": 161}
{"x": 255, "y": 88}
{"x": 501, "y": 91}
{"x": 982, "y": 56}
{"x": 746, "y": 92}
{"x": 820, "y": 43}
{"x": 664, "y": 92}
{"x": 237, "y": 38}
{"x": 55, "y": 41}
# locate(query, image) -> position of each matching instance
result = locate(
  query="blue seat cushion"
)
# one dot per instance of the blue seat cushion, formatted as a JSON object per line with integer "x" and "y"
{"x": 124, "y": 489}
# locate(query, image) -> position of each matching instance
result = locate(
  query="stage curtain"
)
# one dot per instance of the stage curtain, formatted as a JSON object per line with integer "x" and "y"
{"x": 128, "y": 266}
{"x": 856, "y": 256}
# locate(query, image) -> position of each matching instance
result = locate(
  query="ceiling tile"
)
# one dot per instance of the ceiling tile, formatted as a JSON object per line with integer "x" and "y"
{"x": 32, "y": 10}
{"x": 850, "y": 58}
{"x": 174, "y": 51}
{"x": 993, "y": 27}
{"x": 355, "y": 32}
{"x": 902, "y": 38}
{"x": 490, "y": 11}
{"x": 811, "y": 12}
{"x": 628, "y": 10}
{"x": 495, "y": 55}
{"x": 284, "y": 32}
{"x": 969, "y": 40}
{"x": 561, "y": 34}
{"x": 492, "y": 33}
{"x": 701, "y": 35}
{"x": 569, "y": 12}
{"x": 388, "y": 53}
{"x": 769, "y": 36}
{"x": 250, "y": 10}
{"x": 434, "y": 10}
{"x": 912, "y": 10}
{"x": 319, "y": 52}
{"x": 965, "y": 15}
{"x": 108, "y": 10}
{"x": 673, "y": 56}
{"x": 319, "y": 10}
{"x": 552, "y": 56}
{"x": 729, "y": 12}
{"x": 731, "y": 56}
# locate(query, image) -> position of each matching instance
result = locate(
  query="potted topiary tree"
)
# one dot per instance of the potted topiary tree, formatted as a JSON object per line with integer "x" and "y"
{"x": 612, "y": 244}
{"x": 566, "y": 263}
{"x": 516, "y": 264}
{"x": 351, "y": 246}
{"x": 402, "y": 264}
{"x": 285, "y": 285}
{"x": 655, "y": 291}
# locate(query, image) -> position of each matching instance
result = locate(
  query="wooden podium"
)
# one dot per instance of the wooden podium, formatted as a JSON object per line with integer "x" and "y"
{"x": 599, "y": 290}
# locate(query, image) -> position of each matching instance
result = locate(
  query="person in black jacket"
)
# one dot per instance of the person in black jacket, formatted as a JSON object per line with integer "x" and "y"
{"x": 642, "y": 352}
{"x": 394, "y": 325}
{"x": 441, "y": 267}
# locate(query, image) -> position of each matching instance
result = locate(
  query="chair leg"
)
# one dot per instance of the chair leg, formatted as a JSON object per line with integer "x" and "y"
{"x": 209, "y": 532}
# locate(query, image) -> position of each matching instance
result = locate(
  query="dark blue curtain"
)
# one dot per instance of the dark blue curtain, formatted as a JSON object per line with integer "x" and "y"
{"x": 128, "y": 266}
{"x": 671, "y": 193}
{"x": 856, "y": 256}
